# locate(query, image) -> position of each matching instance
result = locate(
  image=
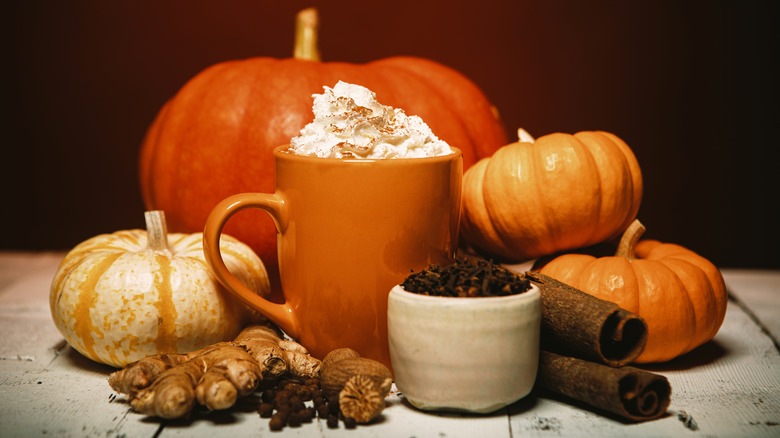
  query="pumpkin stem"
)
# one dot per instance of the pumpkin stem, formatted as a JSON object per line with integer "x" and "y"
{"x": 524, "y": 136}
{"x": 629, "y": 240}
{"x": 157, "y": 232}
{"x": 306, "y": 25}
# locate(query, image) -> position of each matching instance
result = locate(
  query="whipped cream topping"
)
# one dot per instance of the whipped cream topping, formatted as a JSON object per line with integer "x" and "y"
{"x": 350, "y": 123}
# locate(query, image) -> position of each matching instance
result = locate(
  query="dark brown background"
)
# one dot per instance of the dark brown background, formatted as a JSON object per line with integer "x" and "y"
{"x": 691, "y": 86}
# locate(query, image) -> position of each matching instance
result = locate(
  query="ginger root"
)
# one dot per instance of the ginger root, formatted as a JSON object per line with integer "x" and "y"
{"x": 167, "y": 385}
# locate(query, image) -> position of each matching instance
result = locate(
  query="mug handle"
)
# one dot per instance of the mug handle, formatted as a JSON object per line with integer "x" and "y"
{"x": 273, "y": 204}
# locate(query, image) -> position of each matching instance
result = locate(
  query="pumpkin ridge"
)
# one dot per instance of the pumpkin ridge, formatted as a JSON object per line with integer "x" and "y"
{"x": 612, "y": 168}
{"x": 148, "y": 156}
{"x": 513, "y": 231}
{"x": 166, "y": 308}
{"x": 667, "y": 338}
{"x": 552, "y": 234}
{"x": 260, "y": 90}
{"x": 201, "y": 92}
{"x": 595, "y": 223}
{"x": 718, "y": 295}
{"x": 152, "y": 146}
{"x": 605, "y": 268}
{"x": 635, "y": 176}
{"x": 477, "y": 228}
{"x": 702, "y": 291}
{"x": 538, "y": 239}
{"x": 83, "y": 326}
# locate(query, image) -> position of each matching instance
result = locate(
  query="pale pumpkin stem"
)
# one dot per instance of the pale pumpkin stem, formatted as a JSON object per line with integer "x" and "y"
{"x": 157, "y": 232}
{"x": 629, "y": 240}
{"x": 524, "y": 136}
{"x": 306, "y": 26}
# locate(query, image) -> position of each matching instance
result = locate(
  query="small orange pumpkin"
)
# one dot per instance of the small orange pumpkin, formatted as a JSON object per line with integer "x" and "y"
{"x": 560, "y": 192}
{"x": 680, "y": 294}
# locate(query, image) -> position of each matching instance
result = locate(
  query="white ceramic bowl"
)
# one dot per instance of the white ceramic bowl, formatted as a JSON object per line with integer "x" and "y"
{"x": 464, "y": 354}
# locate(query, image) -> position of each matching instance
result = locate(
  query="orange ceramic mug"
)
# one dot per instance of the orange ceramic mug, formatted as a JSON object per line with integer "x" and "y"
{"x": 348, "y": 231}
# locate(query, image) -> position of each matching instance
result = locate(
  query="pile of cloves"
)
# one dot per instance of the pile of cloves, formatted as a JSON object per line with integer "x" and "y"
{"x": 466, "y": 278}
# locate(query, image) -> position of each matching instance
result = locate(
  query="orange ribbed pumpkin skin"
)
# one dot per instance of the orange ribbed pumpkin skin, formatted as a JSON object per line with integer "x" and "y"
{"x": 214, "y": 138}
{"x": 558, "y": 193}
{"x": 680, "y": 294}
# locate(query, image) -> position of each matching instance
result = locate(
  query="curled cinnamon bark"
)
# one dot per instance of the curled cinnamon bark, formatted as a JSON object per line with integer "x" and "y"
{"x": 629, "y": 392}
{"x": 578, "y": 324}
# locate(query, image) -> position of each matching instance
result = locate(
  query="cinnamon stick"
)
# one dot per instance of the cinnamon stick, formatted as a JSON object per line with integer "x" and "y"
{"x": 629, "y": 392}
{"x": 578, "y": 324}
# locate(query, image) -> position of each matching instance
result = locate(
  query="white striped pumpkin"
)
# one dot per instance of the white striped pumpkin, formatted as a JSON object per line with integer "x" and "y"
{"x": 117, "y": 298}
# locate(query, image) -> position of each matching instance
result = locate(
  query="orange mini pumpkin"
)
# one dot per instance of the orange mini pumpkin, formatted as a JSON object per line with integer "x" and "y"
{"x": 560, "y": 192}
{"x": 680, "y": 294}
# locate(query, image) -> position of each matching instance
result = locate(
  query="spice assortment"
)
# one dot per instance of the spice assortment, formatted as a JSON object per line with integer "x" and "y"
{"x": 350, "y": 389}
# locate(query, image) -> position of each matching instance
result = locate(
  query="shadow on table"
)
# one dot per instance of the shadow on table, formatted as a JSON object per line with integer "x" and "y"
{"x": 64, "y": 352}
{"x": 244, "y": 405}
{"x": 525, "y": 404}
{"x": 577, "y": 404}
{"x": 700, "y": 356}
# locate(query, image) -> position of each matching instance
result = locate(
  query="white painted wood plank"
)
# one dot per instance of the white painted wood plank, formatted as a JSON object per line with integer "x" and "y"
{"x": 759, "y": 290}
{"x": 51, "y": 390}
{"x": 403, "y": 420}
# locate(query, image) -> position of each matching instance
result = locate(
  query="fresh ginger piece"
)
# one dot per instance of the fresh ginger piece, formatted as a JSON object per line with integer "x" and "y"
{"x": 141, "y": 374}
{"x": 238, "y": 367}
{"x": 215, "y": 391}
{"x": 168, "y": 385}
{"x": 171, "y": 395}
{"x": 278, "y": 356}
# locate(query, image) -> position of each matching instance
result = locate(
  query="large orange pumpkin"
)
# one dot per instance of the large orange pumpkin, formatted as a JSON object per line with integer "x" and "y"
{"x": 214, "y": 138}
{"x": 680, "y": 294}
{"x": 560, "y": 192}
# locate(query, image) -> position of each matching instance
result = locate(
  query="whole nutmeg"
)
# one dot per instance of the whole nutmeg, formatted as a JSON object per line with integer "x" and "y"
{"x": 337, "y": 355}
{"x": 359, "y": 384}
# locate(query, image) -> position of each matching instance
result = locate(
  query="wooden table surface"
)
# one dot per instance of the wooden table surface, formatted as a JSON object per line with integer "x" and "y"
{"x": 729, "y": 387}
